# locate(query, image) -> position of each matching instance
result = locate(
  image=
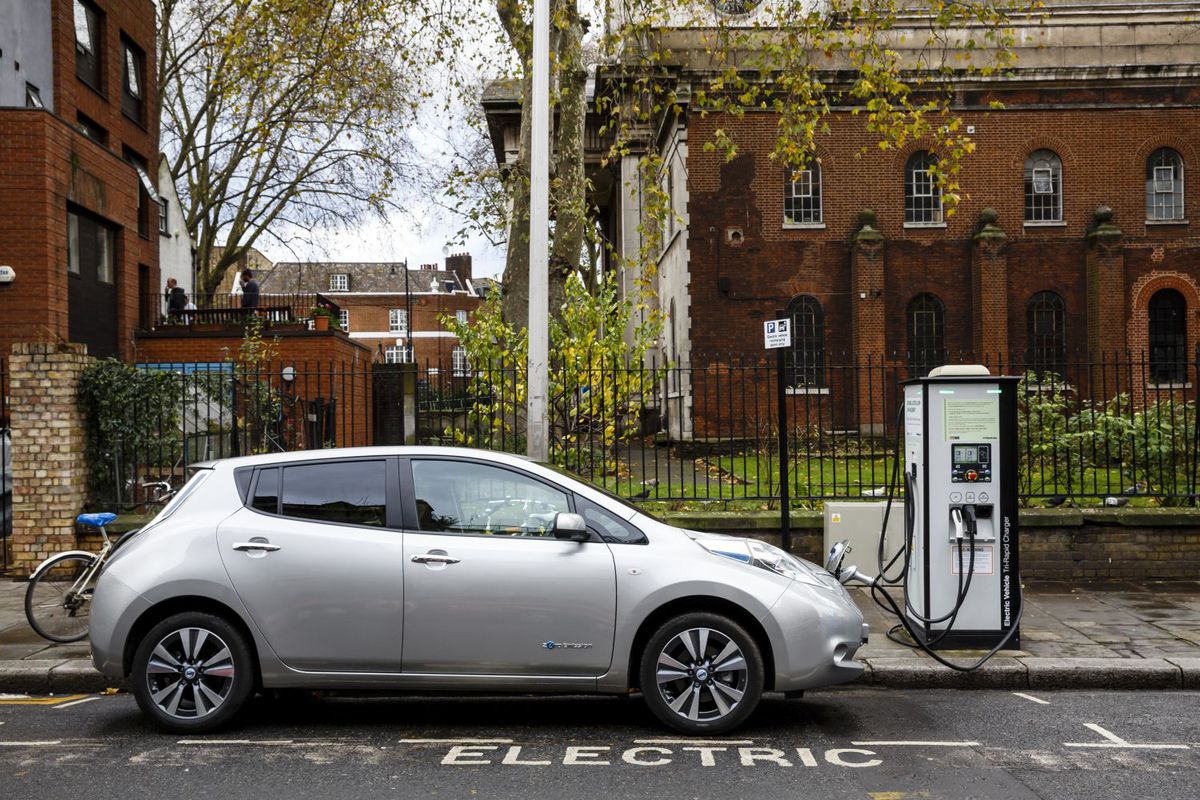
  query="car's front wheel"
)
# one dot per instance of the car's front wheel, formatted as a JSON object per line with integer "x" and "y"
{"x": 702, "y": 673}
{"x": 193, "y": 672}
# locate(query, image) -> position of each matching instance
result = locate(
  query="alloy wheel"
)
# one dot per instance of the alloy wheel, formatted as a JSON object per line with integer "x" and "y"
{"x": 702, "y": 674}
{"x": 190, "y": 673}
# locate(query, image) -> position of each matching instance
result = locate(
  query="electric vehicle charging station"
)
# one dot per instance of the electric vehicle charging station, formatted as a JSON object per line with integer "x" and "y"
{"x": 960, "y": 559}
{"x": 962, "y": 583}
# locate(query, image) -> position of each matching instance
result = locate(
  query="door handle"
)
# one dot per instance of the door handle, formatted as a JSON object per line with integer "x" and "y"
{"x": 433, "y": 558}
{"x": 265, "y": 547}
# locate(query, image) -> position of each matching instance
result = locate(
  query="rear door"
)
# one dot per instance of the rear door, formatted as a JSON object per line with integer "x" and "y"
{"x": 318, "y": 564}
{"x": 488, "y": 589}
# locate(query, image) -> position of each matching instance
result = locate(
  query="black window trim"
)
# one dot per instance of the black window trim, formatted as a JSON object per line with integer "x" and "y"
{"x": 644, "y": 540}
{"x": 409, "y": 493}
{"x": 391, "y": 509}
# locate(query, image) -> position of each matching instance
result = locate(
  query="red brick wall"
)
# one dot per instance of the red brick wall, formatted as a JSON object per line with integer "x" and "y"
{"x": 327, "y": 365}
{"x": 369, "y": 314}
{"x": 46, "y": 164}
{"x": 772, "y": 264}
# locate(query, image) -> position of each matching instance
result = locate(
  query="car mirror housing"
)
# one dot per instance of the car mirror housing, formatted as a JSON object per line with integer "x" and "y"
{"x": 571, "y": 527}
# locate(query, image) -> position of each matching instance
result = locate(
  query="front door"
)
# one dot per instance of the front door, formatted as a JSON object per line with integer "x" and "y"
{"x": 317, "y": 567}
{"x": 91, "y": 285}
{"x": 488, "y": 590}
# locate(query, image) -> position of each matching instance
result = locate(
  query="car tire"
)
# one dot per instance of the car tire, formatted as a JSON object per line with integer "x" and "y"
{"x": 701, "y": 673}
{"x": 193, "y": 672}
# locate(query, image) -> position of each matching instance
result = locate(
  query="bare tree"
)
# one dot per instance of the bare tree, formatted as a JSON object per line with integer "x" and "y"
{"x": 281, "y": 116}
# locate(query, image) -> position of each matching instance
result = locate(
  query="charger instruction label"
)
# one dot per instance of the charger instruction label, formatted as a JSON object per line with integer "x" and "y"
{"x": 972, "y": 419}
{"x": 984, "y": 559}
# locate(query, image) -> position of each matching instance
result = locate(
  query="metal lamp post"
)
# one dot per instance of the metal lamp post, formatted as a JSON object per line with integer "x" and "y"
{"x": 538, "y": 380}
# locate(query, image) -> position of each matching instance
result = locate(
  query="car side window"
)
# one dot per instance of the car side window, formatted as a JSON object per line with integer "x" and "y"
{"x": 266, "y": 491}
{"x": 462, "y": 497}
{"x": 346, "y": 492}
{"x": 608, "y": 525}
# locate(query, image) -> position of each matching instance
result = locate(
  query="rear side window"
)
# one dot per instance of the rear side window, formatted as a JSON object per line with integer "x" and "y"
{"x": 266, "y": 492}
{"x": 608, "y": 525}
{"x": 347, "y": 492}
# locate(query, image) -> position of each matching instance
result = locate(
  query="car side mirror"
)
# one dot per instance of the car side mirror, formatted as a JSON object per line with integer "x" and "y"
{"x": 571, "y": 527}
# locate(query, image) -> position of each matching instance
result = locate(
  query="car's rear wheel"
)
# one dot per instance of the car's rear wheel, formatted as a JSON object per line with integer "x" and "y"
{"x": 193, "y": 672}
{"x": 702, "y": 673}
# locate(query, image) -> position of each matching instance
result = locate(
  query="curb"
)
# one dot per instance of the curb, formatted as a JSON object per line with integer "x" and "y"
{"x": 78, "y": 676}
{"x": 1029, "y": 672}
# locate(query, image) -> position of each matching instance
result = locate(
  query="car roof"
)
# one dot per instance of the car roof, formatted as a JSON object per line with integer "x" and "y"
{"x": 363, "y": 452}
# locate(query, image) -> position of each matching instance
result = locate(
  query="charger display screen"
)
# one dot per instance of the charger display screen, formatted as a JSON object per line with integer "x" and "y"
{"x": 971, "y": 463}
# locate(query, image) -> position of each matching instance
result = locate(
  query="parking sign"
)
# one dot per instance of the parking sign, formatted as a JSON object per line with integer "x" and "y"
{"x": 777, "y": 333}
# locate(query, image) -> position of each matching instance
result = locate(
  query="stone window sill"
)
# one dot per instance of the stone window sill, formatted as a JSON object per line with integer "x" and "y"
{"x": 1156, "y": 222}
{"x": 1046, "y": 224}
{"x": 1169, "y": 386}
{"x": 919, "y": 225}
{"x": 804, "y": 226}
{"x": 802, "y": 390}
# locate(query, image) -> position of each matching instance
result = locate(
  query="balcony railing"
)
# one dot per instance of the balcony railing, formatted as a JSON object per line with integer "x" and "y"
{"x": 223, "y": 309}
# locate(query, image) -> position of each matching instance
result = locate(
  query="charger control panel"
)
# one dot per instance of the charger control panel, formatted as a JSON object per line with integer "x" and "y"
{"x": 971, "y": 463}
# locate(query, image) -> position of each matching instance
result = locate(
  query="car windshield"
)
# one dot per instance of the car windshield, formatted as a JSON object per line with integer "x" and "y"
{"x": 601, "y": 490}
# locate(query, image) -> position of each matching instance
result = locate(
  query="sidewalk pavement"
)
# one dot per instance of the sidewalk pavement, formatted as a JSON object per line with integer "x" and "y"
{"x": 1098, "y": 635}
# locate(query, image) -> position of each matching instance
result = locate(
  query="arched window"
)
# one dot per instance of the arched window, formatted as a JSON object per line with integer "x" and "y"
{"x": 1045, "y": 317}
{"x": 807, "y": 356}
{"x": 1164, "y": 185}
{"x": 926, "y": 334}
{"x": 1168, "y": 337}
{"x": 802, "y": 196}
{"x": 922, "y": 195}
{"x": 1043, "y": 187}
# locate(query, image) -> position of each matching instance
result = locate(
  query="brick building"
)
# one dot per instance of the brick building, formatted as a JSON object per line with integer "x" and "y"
{"x": 379, "y": 300}
{"x": 1073, "y": 238}
{"x": 78, "y": 155}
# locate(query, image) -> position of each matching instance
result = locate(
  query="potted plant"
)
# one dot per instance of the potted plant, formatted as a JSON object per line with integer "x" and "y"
{"x": 322, "y": 317}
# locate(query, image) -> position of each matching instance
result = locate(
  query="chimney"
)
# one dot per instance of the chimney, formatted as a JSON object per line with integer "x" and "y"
{"x": 429, "y": 267}
{"x": 460, "y": 265}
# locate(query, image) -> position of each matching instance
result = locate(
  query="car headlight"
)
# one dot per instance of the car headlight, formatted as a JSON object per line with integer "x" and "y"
{"x": 764, "y": 556}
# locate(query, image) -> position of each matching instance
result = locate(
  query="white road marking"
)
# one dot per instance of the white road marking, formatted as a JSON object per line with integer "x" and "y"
{"x": 694, "y": 741}
{"x": 455, "y": 741}
{"x": 915, "y": 744}
{"x": 263, "y": 742}
{"x": 4, "y": 696}
{"x": 47, "y": 743}
{"x": 1117, "y": 742}
{"x": 1032, "y": 699}
{"x": 77, "y": 702}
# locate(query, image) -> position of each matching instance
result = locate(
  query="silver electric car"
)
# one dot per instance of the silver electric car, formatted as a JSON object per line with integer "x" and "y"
{"x": 452, "y": 570}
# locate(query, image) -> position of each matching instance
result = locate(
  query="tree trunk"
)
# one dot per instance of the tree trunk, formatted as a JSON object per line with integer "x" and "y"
{"x": 515, "y": 307}
{"x": 569, "y": 191}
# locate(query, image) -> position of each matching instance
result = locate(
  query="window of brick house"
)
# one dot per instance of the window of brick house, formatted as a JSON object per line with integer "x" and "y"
{"x": 344, "y": 319}
{"x": 806, "y": 358}
{"x": 133, "y": 71}
{"x": 458, "y": 361}
{"x": 926, "y": 334}
{"x": 339, "y": 282}
{"x": 1045, "y": 317}
{"x": 1168, "y": 337}
{"x": 922, "y": 195}
{"x": 1164, "y": 186}
{"x": 147, "y": 195}
{"x": 91, "y": 129}
{"x": 163, "y": 220}
{"x": 33, "y": 97}
{"x": 461, "y": 316}
{"x": 802, "y": 196}
{"x": 1043, "y": 187}
{"x": 397, "y": 354}
{"x": 88, "y": 61}
{"x": 397, "y": 320}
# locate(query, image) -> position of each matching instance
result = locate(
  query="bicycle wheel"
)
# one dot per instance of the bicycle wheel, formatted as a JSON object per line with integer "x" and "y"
{"x": 57, "y": 603}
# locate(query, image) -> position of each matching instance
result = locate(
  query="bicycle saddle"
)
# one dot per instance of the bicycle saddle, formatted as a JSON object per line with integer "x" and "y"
{"x": 96, "y": 520}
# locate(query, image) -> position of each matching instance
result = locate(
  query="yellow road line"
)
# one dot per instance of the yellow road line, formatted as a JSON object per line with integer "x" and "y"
{"x": 39, "y": 701}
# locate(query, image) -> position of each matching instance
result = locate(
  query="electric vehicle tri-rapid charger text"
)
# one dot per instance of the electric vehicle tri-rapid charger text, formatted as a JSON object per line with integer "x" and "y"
{"x": 959, "y": 564}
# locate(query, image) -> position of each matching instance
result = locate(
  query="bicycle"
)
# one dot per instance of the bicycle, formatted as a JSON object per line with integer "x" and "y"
{"x": 60, "y": 589}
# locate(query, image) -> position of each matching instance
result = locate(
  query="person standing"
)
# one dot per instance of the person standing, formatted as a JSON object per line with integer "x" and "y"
{"x": 249, "y": 290}
{"x": 176, "y": 298}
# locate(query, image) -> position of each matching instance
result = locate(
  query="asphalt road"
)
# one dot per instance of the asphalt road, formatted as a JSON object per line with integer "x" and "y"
{"x": 875, "y": 744}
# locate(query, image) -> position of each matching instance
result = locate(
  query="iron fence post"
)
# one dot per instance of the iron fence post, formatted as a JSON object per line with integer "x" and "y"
{"x": 785, "y": 522}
